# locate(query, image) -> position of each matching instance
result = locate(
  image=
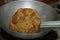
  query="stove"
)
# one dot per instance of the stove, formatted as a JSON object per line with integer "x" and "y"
{"x": 51, "y": 35}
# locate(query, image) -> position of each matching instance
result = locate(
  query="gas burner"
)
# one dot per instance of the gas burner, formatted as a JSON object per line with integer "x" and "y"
{"x": 51, "y": 35}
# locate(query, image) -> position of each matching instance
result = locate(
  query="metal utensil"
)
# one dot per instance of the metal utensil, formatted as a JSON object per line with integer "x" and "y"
{"x": 46, "y": 13}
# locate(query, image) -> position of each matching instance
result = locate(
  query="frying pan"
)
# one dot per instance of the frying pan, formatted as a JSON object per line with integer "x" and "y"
{"x": 46, "y": 13}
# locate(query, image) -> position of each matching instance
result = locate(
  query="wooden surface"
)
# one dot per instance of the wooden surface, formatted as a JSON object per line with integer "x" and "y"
{"x": 48, "y": 1}
{"x": 1, "y": 2}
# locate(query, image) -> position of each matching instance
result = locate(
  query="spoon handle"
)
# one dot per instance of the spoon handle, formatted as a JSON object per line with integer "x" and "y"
{"x": 50, "y": 24}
